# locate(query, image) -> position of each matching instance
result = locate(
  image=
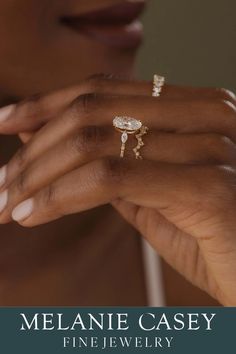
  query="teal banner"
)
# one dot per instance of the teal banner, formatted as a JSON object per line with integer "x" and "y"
{"x": 117, "y": 330}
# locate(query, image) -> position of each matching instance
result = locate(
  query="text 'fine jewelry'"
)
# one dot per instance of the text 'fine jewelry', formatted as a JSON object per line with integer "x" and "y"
{"x": 158, "y": 83}
{"x": 126, "y": 126}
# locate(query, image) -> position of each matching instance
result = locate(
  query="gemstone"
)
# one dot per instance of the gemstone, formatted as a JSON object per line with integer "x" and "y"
{"x": 159, "y": 80}
{"x": 127, "y": 123}
{"x": 124, "y": 137}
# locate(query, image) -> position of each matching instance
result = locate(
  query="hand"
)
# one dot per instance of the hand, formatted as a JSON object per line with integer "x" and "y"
{"x": 181, "y": 197}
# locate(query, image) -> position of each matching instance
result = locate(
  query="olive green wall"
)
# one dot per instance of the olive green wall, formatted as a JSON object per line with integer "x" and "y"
{"x": 191, "y": 42}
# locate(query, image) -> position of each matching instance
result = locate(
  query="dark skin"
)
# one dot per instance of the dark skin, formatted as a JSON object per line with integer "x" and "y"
{"x": 33, "y": 29}
{"x": 39, "y": 55}
{"x": 186, "y": 210}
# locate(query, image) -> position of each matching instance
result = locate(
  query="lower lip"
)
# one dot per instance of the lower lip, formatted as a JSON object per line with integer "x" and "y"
{"x": 119, "y": 35}
{"x": 117, "y": 26}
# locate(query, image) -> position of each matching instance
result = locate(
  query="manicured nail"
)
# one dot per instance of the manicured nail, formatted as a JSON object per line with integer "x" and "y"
{"x": 3, "y": 200}
{"x": 3, "y": 175}
{"x": 23, "y": 210}
{"x": 5, "y": 112}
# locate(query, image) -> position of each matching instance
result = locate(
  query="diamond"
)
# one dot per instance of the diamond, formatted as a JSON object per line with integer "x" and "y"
{"x": 127, "y": 123}
{"x": 158, "y": 83}
{"x": 124, "y": 137}
{"x": 159, "y": 80}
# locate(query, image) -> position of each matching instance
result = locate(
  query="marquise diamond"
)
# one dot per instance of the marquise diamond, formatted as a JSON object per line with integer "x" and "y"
{"x": 124, "y": 137}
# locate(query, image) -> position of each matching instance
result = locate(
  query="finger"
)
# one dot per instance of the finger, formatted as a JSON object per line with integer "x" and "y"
{"x": 191, "y": 116}
{"x": 92, "y": 143}
{"x": 34, "y": 112}
{"x": 208, "y": 116}
{"x": 177, "y": 191}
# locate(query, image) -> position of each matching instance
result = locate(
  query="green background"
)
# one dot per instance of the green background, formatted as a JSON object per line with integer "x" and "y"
{"x": 191, "y": 42}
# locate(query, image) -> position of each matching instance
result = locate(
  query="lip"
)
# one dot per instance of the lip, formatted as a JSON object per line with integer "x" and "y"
{"x": 116, "y": 26}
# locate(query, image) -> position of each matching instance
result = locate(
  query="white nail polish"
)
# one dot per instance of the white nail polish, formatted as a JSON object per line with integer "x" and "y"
{"x": 3, "y": 175}
{"x": 5, "y": 112}
{"x": 23, "y": 210}
{"x": 3, "y": 200}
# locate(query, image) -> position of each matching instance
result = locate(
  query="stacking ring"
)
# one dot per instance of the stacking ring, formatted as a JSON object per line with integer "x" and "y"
{"x": 127, "y": 126}
{"x": 158, "y": 83}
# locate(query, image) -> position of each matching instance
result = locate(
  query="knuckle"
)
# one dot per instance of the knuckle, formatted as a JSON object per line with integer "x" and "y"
{"x": 21, "y": 157}
{"x": 85, "y": 104}
{"x": 88, "y": 139}
{"x": 48, "y": 196}
{"x": 31, "y": 106}
{"x": 22, "y": 184}
{"x": 111, "y": 171}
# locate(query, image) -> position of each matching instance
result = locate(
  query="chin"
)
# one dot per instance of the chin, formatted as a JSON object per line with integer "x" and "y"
{"x": 96, "y": 58}
{"x": 69, "y": 67}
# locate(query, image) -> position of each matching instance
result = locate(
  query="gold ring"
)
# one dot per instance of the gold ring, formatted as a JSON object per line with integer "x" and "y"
{"x": 126, "y": 126}
{"x": 158, "y": 83}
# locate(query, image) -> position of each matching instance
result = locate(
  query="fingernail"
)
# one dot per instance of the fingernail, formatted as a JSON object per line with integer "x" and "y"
{"x": 5, "y": 112}
{"x": 3, "y": 175}
{"x": 3, "y": 200}
{"x": 23, "y": 210}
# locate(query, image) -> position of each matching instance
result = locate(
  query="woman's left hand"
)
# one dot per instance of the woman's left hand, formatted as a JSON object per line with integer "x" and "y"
{"x": 181, "y": 197}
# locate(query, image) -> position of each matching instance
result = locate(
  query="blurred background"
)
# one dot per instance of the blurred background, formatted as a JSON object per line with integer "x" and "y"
{"x": 191, "y": 42}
